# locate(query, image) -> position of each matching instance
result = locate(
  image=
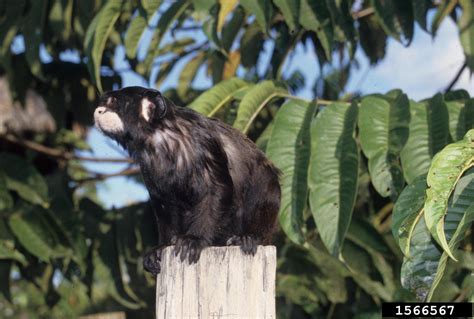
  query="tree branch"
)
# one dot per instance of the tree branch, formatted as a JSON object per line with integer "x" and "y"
{"x": 456, "y": 77}
{"x": 100, "y": 177}
{"x": 53, "y": 152}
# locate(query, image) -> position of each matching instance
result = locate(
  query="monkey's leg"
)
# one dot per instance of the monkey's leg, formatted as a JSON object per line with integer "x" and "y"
{"x": 207, "y": 221}
{"x": 259, "y": 217}
{"x": 152, "y": 258}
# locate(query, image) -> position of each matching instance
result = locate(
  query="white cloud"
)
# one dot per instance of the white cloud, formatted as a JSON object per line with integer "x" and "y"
{"x": 421, "y": 70}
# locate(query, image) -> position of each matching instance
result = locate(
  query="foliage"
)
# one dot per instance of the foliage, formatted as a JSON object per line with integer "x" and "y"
{"x": 345, "y": 163}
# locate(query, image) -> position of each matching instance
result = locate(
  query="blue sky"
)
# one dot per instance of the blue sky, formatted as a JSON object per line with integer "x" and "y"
{"x": 426, "y": 67}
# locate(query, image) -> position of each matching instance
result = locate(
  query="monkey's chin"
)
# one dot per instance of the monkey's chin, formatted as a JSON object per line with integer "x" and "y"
{"x": 112, "y": 133}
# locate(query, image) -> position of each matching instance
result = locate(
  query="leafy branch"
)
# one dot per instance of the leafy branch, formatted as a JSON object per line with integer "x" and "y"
{"x": 60, "y": 154}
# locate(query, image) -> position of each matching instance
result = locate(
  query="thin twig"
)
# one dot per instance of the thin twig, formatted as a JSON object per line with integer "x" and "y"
{"x": 362, "y": 13}
{"x": 456, "y": 77}
{"x": 53, "y": 152}
{"x": 100, "y": 176}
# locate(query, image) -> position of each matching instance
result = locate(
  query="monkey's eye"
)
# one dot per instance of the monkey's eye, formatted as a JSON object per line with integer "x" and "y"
{"x": 107, "y": 101}
{"x": 111, "y": 102}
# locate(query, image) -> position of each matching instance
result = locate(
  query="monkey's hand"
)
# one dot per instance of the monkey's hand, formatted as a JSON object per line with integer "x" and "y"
{"x": 247, "y": 243}
{"x": 152, "y": 259}
{"x": 189, "y": 247}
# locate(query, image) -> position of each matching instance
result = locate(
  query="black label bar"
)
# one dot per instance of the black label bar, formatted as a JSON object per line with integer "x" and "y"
{"x": 434, "y": 309}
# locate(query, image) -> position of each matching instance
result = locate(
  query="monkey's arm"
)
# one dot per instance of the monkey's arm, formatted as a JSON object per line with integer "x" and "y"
{"x": 210, "y": 218}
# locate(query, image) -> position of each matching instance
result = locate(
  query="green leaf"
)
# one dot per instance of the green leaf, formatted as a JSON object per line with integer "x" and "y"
{"x": 137, "y": 27}
{"x": 314, "y": 16}
{"x": 225, "y": 8}
{"x": 24, "y": 179}
{"x": 5, "y": 277}
{"x": 429, "y": 131}
{"x": 107, "y": 272}
{"x": 407, "y": 211}
{"x": 150, "y": 6}
{"x": 383, "y": 131}
{"x": 36, "y": 234}
{"x": 405, "y": 21}
{"x": 202, "y": 7}
{"x": 366, "y": 236}
{"x": 254, "y": 101}
{"x": 251, "y": 44}
{"x": 262, "y": 140}
{"x": 232, "y": 28}
{"x": 11, "y": 16}
{"x": 6, "y": 201}
{"x": 33, "y": 34}
{"x": 7, "y": 245}
{"x": 66, "y": 218}
{"x": 423, "y": 270}
{"x": 461, "y": 118}
{"x": 361, "y": 262}
{"x": 262, "y": 9}
{"x": 418, "y": 271}
{"x": 333, "y": 172}
{"x": 290, "y": 10}
{"x": 60, "y": 18}
{"x": 373, "y": 39}
{"x": 97, "y": 34}
{"x": 169, "y": 17}
{"x": 164, "y": 70}
{"x": 188, "y": 73}
{"x": 459, "y": 218}
{"x": 211, "y": 101}
{"x": 446, "y": 169}
{"x": 289, "y": 149}
{"x": 69, "y": 138}
{"x": 466, "y": 30}
{"x": 385, "y": 13}
{"x": 209, "y": 27}
{"x": 420, "y": 9}
{"x": 343, "y": 22}
{"x": 460, "y": 94}
{"x": 444, "y": 9}
{"x": 7, "y": 251}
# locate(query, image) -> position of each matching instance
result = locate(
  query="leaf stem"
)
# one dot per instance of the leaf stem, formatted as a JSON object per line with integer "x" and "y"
{"x": 259, "y": 109}
{"x": 224, "y": 101}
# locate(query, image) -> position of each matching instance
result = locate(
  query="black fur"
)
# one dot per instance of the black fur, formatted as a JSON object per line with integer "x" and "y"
{"x": 208, "y": 183}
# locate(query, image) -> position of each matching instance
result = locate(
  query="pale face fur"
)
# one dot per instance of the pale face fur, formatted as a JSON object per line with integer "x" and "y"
{"x": 108, "y": 121}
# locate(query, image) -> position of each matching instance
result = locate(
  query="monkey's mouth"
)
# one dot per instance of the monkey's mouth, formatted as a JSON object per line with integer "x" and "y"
{"x": 107, "y": 121}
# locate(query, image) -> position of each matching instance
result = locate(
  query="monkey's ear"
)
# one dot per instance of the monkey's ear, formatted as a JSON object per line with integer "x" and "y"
{"x": 152, "y": 108}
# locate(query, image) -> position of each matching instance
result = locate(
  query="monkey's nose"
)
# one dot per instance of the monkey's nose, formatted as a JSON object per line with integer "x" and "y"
{"x": 100, "y": 110}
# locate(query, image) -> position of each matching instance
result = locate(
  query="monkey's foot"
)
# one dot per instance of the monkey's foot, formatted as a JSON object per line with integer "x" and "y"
{"x": 247, "y": 243}
{"x": 151, "y": 260}
{"x": 189, "y": 247}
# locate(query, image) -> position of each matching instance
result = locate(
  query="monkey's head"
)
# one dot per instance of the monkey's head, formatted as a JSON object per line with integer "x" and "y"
{"x": 130, "y": 112}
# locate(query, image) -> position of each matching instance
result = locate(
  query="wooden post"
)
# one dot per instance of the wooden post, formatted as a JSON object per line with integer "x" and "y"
{"x": 224, "y": 283}
{"x": 107, "y": 315}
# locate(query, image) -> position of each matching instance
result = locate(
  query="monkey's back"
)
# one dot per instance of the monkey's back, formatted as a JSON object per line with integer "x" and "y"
{"x": 255, "y": 181}
{"x": 199, "y": 151}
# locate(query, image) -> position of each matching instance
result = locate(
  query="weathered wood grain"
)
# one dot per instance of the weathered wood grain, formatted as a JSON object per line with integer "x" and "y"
{"x": 225, "y": 283}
